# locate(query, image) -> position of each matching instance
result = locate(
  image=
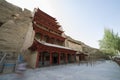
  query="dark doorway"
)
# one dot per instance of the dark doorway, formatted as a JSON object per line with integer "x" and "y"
{"x": 55, "y": 58}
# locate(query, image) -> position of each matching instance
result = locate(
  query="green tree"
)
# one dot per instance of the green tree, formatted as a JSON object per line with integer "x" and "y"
{"x": 110, "y": 44}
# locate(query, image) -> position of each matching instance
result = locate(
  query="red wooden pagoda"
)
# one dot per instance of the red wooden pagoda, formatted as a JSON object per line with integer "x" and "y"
{"x": 49, "y": 42}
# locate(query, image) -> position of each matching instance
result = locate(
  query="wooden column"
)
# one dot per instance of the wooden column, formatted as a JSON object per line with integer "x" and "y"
{"x": 50, "y": 40}
{"x": 42, "y": 59}
{"x": 37, "y": 60}
{"x": 50, "y": 58}
{"x": 59, "y": 56}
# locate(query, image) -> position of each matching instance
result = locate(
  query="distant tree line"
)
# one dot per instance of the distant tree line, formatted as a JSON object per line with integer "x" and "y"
{"x": 110, "y": 44}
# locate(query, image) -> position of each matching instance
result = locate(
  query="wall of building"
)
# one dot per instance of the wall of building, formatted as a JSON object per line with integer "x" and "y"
{"x": 31, "y": 58}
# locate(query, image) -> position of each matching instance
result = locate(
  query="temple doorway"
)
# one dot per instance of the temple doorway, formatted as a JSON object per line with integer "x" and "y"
{"x": 55, "y": 58}
{"x": 44, "y": 59}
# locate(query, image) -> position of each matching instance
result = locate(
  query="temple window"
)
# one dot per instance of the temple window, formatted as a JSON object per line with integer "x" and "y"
{"x": 38, "y": 36}
{"x": 46, "y": 38}
{"x": 52, "y": 41}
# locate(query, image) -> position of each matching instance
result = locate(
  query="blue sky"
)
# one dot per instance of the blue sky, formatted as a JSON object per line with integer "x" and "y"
{"x": 83, "y": 20}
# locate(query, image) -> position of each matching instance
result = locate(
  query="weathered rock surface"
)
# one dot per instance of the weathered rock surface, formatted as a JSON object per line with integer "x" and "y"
{"x": 16, "y": 31}
{"x": 92, "y": 52}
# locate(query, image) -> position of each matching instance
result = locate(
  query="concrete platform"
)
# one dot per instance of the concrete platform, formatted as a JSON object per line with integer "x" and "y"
{"x": 101, "y": 70}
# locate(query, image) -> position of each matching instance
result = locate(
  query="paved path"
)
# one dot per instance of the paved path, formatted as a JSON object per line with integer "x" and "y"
{"x": 106, "y": 70}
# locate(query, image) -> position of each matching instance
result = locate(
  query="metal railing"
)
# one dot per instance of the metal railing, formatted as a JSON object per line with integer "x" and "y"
{"x": 2, "y": 62}
{"x": 7, "y": 63}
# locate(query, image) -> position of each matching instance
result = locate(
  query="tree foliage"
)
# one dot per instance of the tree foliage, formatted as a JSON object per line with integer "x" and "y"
{"x": 110, "y": 43}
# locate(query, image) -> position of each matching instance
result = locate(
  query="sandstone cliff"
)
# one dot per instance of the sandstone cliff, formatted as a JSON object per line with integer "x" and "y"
{"x": 16, "y": 31}
{"x": 92, "y": 52}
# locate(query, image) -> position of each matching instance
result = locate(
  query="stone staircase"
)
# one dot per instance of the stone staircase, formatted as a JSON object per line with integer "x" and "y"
{"x": 7, "y": 62}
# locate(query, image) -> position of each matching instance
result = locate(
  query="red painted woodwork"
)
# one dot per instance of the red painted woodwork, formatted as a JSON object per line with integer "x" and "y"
{"x": 49, "y": 24}
{"x": 45, "y": 15}
{"x": 47, "y": 21}
{"x": 50, "y": 58}
{"x": 41, "y": 47}
{"x": 38, "y": 30}
{"x": 37, "y": 60}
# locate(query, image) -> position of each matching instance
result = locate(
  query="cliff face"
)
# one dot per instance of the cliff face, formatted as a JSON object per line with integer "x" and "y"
{"x": 85, "y": 48}
{"x": 16, "y": 31}
{"x": 92, "y": 52}
{"x": 73, "y": 44}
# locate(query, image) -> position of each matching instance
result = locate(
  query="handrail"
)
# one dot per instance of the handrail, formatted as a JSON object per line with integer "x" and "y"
{"x": 5, "y": 54}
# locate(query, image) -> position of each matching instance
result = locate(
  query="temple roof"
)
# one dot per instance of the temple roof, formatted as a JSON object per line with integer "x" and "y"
{"x": 53, "y": 45}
